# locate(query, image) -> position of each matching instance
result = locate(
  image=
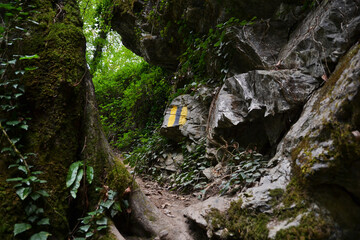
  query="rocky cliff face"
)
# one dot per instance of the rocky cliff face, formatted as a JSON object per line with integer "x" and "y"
{"x": 286, "y": 84}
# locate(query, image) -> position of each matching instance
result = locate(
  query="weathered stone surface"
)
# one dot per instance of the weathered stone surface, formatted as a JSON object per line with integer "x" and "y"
{"x": 198, "y": 212}
{"x": 256, "y": 46}
{"x": 323, "y": 37}
{"x": 275, "y": 226}
{"x": 158, "y": 39}
{"x": 196, "y": 118}
{"x": 257, "y": 107}
{"x": 324, "y": 151}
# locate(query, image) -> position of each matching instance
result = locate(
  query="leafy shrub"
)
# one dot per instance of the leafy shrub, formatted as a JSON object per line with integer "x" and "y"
{"x": 131, "y": 99}
{"x": 148, "y": 151}
{"x": 190, "y": 175}
{"x": 246, "y": 167}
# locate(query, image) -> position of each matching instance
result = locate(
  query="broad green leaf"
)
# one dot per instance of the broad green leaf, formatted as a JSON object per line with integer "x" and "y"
{"x": 85, "y": 228}
{"x": 72, "y": 173}
{"x": 23, "y": 192}
{"x": 77, "y": 183}
{"x": 44, "y": 221}
{"x": 21, "y": 227}
{"x": 30, "y": 209}
{"x": 40, "y": 236}
{"x": 13, "y": 165}
{"x": 13, "y": 123}
{"x": 23, "y": 168}
{"x": 89, "y": 174}
{"x": 33, "y": 218}
{"x": 39, "y": 210}
{"x": 35, "y": 196}
{"x": 117, "y": 207}
{"x": 89, "y": 234}
{"x": 7, "y": 6}
{"x": 107, "y": 204}
{"x": 29, "y": 57}
{"x": 101, "y": 227}
{"x": 102, "y": 221}
{"x": 12, "y": 61}
{"x": 15, "y": 140}
{"x": 43, "y": 193}
{"x": 5, "y": 149}
{"x": 14, "y": 179}
{"x": 25, "y": 127}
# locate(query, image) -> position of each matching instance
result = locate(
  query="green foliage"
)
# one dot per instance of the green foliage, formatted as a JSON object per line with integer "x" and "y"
{"x": 190, "y": 175}
{"x": 95, "y": 221}
{"x": 246, "y": 167}
{"x": 146, "y": 154}
{"x": 203, "y": 49}
{"x": 131, "y": 99}
{"x": 28, "y": 184}
{"x": 76, "y": 174}
{"x": 241, "y": 223}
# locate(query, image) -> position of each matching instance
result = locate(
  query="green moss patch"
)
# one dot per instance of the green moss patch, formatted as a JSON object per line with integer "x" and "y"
{"x": 241, "y": 223}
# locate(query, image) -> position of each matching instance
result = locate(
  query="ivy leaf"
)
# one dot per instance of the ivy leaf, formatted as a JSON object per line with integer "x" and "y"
{"x": 85, "y": 228}
{"x": 30, "y": 209}
{"x": 40, "y": 236}
{"x": 21, "y": 227}
{"x": 77, "y": 183}
{"x": 35, "y": 196}
{"x": 13, "y": 123}
{"x": 101, "y": 227}
{"x": 44, "y": 221}
{"x": 23, "y": 168}
{"x": 89, "y": 234}
{"x": 23, "y": 192}
{"x": 25, "y": 127}
{"x": 102, "y": 221}
{"x": 89, "y": 174}
{"x": 6, "y": 149}
{"x": 72, "y": 173}
{"x": 43, "y": 193}
{"x": 107, "y": 204}
{"x": 12, "y": 61}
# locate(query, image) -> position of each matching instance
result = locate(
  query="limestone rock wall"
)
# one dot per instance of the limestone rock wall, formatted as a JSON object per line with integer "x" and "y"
{"x": 290, "y": 88}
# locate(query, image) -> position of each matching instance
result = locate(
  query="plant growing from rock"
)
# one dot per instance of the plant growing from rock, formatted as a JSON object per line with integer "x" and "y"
{"x": 29, "y": 185}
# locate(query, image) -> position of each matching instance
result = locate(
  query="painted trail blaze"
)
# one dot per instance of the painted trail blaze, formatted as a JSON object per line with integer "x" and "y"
{"x": 177, "y": 116}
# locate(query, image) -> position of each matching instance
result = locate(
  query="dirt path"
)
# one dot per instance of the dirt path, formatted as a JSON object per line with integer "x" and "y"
{"x": 170, "y": 203}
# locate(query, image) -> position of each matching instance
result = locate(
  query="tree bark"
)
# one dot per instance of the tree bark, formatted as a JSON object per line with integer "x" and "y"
{"x": 64, "y": 127}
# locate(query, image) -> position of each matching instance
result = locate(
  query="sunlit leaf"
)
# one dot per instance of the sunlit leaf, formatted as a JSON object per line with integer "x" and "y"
{"x": 28, "y": 57}
{"x": 21, "y": 227}
{"x": 76, "y": 185}
{"x": 72, "y": 173}
{"x": 23, "y": 192}
{"x": 40, "y": 236}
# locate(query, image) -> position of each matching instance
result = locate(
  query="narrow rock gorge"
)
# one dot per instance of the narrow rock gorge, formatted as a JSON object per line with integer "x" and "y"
{"x": 278, "y": 77}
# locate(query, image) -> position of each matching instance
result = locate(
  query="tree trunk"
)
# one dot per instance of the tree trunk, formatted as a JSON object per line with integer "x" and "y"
{"x": 64, "y": 127}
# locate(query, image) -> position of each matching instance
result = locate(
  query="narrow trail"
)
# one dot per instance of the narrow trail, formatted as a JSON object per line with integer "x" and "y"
{"x": 169, "y": 203}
